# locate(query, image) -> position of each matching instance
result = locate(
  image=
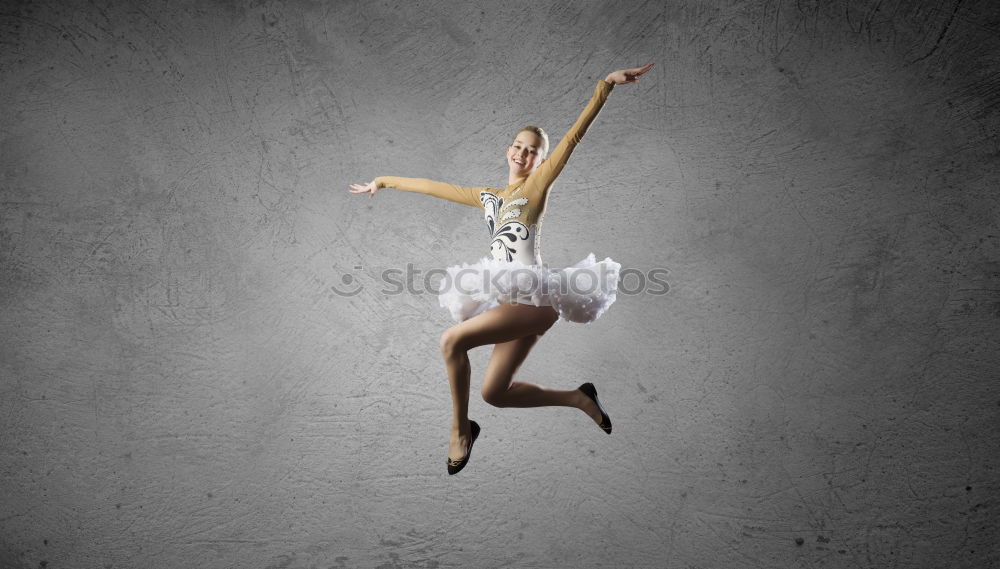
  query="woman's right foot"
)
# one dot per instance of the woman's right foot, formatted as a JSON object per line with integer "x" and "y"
{"x": 464, "y": 450}
{"x": 592, "y": 406}
{"x": 458, "y": 445}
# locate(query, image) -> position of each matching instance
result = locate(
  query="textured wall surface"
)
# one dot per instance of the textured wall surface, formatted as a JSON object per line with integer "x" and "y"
{"x": 182, "y": 386}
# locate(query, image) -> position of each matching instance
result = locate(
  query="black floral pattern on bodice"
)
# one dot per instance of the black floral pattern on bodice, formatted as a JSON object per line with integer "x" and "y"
{"x": 511, "y": 240}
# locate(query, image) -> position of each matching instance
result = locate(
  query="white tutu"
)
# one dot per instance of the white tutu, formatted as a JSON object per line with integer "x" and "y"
{"x": 579, "y": 293}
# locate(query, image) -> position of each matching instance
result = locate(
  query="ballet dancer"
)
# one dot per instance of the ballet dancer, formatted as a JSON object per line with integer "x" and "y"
{"x": 510, "y": 298}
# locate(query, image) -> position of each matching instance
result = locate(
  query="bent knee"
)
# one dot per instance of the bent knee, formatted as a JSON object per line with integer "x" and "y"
{"x": 450, "y": 343}
{"x": 494, "y": 397}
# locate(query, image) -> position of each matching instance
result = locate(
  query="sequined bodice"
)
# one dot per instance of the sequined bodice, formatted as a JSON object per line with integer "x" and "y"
{"x": 509, "y": 217}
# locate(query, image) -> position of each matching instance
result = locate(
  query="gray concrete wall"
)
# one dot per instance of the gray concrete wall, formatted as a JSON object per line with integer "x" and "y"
{"x": 181, "y": 385}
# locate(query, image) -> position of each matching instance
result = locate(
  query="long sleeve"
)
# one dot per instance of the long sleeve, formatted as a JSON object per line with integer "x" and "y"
{"x": 450, "y": 192}
{"x": 546, "y": 173}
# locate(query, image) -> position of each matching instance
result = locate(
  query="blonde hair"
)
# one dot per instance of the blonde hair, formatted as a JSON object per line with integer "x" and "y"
{"x": 537, "y": 130}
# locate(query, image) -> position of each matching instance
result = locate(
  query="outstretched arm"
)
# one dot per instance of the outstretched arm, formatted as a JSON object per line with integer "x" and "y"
{"x": 450, "y": 192}
{"x": 546, "y": 173}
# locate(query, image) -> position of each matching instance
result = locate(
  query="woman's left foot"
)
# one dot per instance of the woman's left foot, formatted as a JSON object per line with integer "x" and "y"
{"x": 604, "y": 422}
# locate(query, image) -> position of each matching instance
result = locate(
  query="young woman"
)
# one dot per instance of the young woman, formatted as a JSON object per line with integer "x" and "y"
{"x": 510, "y": 298}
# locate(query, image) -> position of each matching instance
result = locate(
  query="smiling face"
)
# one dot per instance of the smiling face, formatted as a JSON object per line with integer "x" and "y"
{"x": 525, "y": 153}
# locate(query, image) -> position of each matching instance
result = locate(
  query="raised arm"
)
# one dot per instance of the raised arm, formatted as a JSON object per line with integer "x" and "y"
{"x": 450, "y": 192}
{"x": 546, "y": 173}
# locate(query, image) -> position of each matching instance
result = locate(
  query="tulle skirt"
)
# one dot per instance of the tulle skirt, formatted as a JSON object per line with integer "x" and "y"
{"x": 579, "y": 293}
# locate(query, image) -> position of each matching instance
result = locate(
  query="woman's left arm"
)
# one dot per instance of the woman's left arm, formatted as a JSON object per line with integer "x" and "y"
{"x": 550, "y": 168}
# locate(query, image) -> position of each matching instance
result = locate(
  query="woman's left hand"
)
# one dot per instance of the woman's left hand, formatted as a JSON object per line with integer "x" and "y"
{"x": 627, "y": 75}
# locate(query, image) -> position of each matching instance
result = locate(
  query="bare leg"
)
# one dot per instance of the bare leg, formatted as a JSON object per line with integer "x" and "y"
{"x": 514, "y": 328}
{"x": 500, "y": 390}
{"x": 495, "y": 326}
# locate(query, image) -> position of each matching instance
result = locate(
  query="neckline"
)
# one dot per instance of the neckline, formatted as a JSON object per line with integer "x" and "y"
{"x": 518, "y": 182}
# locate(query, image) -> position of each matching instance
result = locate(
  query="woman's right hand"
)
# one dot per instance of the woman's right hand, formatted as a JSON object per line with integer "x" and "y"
{"x": 369, "y": 188}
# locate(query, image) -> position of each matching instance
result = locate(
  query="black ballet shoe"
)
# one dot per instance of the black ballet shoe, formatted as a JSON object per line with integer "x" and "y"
{"x": 455, "y": 465}
{"x": 589, "y": 390}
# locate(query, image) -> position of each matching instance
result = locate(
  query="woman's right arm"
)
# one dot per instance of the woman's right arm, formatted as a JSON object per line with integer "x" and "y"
{"x": 450, "y": 192}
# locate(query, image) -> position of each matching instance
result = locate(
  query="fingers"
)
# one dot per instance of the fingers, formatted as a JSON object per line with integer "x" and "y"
{"x": 640, "y": 70}
{"x": 359, "y": 189}
{"x": 631, "y": 75}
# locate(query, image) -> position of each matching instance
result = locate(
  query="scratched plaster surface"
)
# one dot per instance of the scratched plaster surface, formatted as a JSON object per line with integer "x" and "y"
{"x": 182, "y": 386}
